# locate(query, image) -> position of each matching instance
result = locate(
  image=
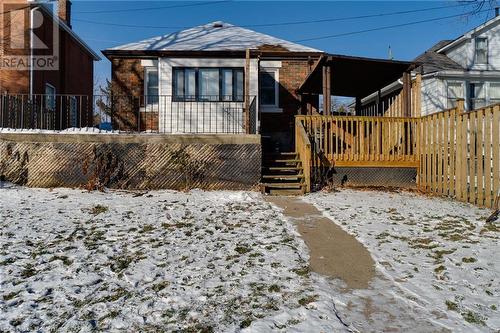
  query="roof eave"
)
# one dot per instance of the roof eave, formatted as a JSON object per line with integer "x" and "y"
{"x": 113, "y": 53}
{"x": 66, "y": 28}
{"x": 467, "y": 35}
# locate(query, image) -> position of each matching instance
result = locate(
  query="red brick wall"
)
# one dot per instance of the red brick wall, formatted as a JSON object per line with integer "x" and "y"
{"x": 281, "y": 126}
{"x": 127, "y": 79}
{"x": 74, "y": 76}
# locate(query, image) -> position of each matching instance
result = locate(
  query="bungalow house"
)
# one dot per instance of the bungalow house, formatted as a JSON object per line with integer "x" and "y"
{"x": 203, "y": 79}
{"x": 467, "y": 67}
{"x": 46, "y": 69}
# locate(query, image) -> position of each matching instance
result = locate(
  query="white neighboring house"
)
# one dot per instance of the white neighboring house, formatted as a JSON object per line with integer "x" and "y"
{"x": 467, "y": 67}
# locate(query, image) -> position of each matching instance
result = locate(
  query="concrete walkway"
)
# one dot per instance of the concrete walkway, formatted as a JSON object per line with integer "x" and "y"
{"x": 333, "y": 252}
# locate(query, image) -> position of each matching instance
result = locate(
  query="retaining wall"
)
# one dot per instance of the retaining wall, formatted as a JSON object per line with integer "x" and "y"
{"x": 211, "y": 162}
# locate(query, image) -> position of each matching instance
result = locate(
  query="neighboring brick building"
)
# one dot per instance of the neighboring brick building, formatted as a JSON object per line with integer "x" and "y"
{"x": 69, "y": 66}
{"x": 205, "y": 76}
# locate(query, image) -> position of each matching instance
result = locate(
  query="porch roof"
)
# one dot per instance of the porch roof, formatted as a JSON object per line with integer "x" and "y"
{"x": 354, "y": 76}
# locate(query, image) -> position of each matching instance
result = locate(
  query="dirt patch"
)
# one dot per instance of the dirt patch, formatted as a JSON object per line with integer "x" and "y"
{"x": 333, "y": 251}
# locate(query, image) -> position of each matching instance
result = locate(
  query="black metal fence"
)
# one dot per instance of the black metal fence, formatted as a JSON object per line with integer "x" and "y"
{"x": 155, "y": 114}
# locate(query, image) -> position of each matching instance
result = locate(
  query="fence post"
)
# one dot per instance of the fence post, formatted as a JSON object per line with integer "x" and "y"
{"x": 460, "y": 105}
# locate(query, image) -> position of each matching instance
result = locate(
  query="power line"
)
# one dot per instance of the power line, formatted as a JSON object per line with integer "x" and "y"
{"x": 354, "y": 17}
{"x": 281, "y": 23}
{"x": 203, "y": 3}
{"x": 387, "y": 27}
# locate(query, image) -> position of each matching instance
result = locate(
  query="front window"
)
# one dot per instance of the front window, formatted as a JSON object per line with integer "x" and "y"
{"x": 151, "y": 86}
{"x": 50, "y": 97}
{"x": 268, "y": 88}
{"x": 477, "y": 96}
{"x": 208, "y": 84}
{"x": 481, "y": 50}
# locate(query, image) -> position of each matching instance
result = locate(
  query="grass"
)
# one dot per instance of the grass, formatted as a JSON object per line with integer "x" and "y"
{"x": 274, "y": 288}
{"x": 242, "y": 249}
{"x": 439, "y": 269}
{"x": 308, "y": 299}
{"x": 98, "y": 209}
{"x": 473, "y": 318}
{"x": 303, "y": 271}
{"x": 469, "y": 260}
{"x": 452, "y": 306}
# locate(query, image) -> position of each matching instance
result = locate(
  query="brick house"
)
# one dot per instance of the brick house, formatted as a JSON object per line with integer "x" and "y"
{"x": 201, "y": 80}
{"x": 60, "y": 79}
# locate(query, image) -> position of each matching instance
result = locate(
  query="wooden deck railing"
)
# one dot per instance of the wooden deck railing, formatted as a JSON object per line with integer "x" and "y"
{"x": 303, "y": 148}
{"x": 456, "y": 154}
{"x": 460, "y": 155}
{"x": 364, "y": 141}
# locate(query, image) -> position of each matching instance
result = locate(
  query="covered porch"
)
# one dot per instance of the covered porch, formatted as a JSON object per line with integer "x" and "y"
{"x": 368, "y": 136}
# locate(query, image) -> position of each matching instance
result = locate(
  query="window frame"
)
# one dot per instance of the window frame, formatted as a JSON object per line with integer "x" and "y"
{"x": 472, "y": 95}
{"x": 493, "y": 100}
{"x": 146, "y": 83}
{"x": 476, "y": 49}
{"x": 198, "y": 98}
{"x": 448, "y": 98}
{"x": 275, "y": 71}
{"x": 48, "y": 107}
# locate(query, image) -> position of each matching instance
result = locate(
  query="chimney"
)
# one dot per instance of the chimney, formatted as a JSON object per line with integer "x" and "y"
{"x": 64, "y": 11}
{"x": 496, "y": 11}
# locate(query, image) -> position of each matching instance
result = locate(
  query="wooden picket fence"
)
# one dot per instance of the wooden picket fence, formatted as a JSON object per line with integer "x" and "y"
{"x": 460, "y": 155}
{"x": 364, "y": 141}
{"x": 456, "y": 153}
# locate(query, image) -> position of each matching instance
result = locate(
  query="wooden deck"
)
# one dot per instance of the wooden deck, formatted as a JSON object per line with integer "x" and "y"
{"x": 456, "y": 153}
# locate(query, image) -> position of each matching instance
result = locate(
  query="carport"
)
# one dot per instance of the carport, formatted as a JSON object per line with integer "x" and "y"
{"x": 357, "y": 77}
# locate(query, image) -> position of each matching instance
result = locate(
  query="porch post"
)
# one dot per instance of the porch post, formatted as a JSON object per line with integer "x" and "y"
{"x": 406, "y": 94}
{"x": 326, "y": 90}
{"x": 329, "y": 88}
{"x": 379, "y": 103}
{"x": 357, "y": 107}
{"x": 418, "y": 97}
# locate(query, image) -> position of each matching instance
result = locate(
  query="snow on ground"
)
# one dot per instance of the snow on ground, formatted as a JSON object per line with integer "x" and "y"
{"x": 74, "y": 261}
{"x": 72, "y": 130}
{"x": 438, "y": 263}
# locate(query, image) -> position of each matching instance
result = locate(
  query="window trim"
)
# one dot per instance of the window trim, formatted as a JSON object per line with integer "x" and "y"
{"x": 272, "y": 108}
{"x": 234, "y": 97}
{"x": 476, "y": 49}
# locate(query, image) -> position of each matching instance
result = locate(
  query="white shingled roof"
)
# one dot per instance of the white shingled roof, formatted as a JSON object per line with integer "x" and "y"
{"x": 215, "y": 36}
